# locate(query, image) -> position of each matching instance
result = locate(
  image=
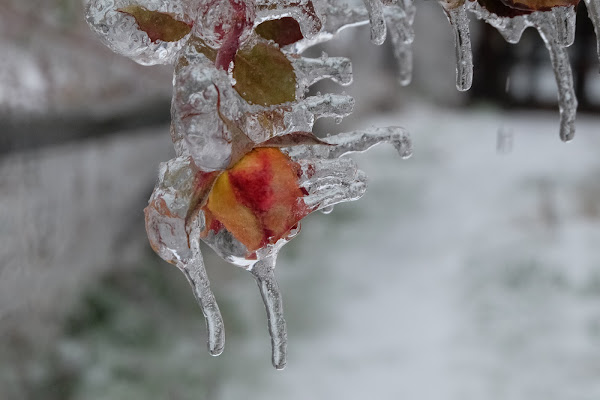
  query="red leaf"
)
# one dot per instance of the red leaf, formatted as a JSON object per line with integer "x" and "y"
{"x": 283, "y": 31}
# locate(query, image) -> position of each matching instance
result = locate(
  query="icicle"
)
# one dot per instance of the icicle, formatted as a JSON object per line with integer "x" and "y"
{"x": 331, "y": 181}
{"x": 359, "y": 141}
{"x": 264, "y": 272}
{"x": 356, "y": 142}
{"x": 376, "y": 17}
{"x": 327, "y": 210}
{"x": 404, "y": 58}
{"x": 329, "y": 105}
{"x": 195, "y": 273}
{"x": 565, "y": 25}
{"x": 311, "y": 70}
{"x": 400, "y": 20}
{"x": 510, "y": 28}
{"x": 457, "y": 16}
{"x": 567, "y": 101}
{"x": 593, "y": 9}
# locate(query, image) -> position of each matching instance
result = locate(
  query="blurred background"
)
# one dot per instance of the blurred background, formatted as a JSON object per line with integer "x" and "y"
{"x": 470, "y": 271}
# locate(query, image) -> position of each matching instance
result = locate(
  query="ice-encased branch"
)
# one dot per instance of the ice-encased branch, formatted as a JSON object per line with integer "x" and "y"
{"x": 264, "y": 273}
{"x": 194, "y": 271}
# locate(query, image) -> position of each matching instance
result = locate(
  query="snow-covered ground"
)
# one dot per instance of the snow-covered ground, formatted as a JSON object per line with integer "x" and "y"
{"x": 464, "y": 273}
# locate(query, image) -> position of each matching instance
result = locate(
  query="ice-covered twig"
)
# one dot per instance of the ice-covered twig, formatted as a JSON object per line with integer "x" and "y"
{"x": 264, "y": 273}
{"x": 312, "y": 70}
{"x": 331, "y": 181}
{"x": 356, "y": 142}
{"x": 329, "y": 105}
{"x": 359, "y": 141}
{"x": 195, "y": 273}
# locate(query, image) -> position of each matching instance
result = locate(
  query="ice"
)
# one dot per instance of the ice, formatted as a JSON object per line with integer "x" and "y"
{"x": 593, "y": 9}
{"x": 121, "y": 33}
{"x": 564, "y": 25}
{"x": 302, "y": 11}
{"x": 557, "y": 29}
{"x": 195, "y": 273}
{"x": 225, "y": 144}
{"x": 459, "y": 21}
{"x": 567, "y": 101}
{"x": 376, "y": 17}
{"x": 263, "y": 272}
{"x": 312, "y": 70}
{"x": 330, "y": 105}
{"x": 510, "y": 28}
{"x": 400, "y": 27}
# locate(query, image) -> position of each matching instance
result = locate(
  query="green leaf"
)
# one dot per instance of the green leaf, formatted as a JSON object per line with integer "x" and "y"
{"x": 264, "y": 75}
{"x": 283, "y": 31}
{"x": 158, "y": 25}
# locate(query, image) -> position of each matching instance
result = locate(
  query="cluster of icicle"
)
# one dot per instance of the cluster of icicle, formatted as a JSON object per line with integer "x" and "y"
{"x": 222, "y": 131}
{"x": 556, "y": 27}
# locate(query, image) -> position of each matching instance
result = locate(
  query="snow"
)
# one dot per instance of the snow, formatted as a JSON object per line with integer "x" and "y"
{"x": 461, "y": 274}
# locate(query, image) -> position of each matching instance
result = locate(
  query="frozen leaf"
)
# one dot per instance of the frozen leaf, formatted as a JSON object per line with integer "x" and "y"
{"x": 264, "y": 75}
{"x": 283, "y": 31}
{"x": 158, "y": 25}
{"x": 258, "y": 200}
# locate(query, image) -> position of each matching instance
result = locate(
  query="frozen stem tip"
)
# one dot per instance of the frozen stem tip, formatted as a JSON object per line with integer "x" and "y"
{"x": 264, "y": 273}
{"x": 215, "y": 328}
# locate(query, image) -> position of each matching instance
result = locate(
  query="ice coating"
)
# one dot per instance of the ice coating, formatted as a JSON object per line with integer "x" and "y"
{"x": 567, "y": 101}
{"x": 557, "y": 29}
{"x": 120, "y": 32}
{"x": 264, "y": 273}
{"x": 312, "y": 70}
{"x": 564, "y": 19}
{"x": 377, "y": 20}
{"x": 357, "y": 142}
{"x": 593, "y": 9}
{"x": 248, "y": 168}
{"x": 302, "y": 11}
{"x": 400, "y": 27}
{"x": 195, "y": 273}
{"x": 459, "y": 21}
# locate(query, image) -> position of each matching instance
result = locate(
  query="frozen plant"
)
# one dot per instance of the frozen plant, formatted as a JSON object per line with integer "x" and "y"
{"x": 248, "y": 167}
